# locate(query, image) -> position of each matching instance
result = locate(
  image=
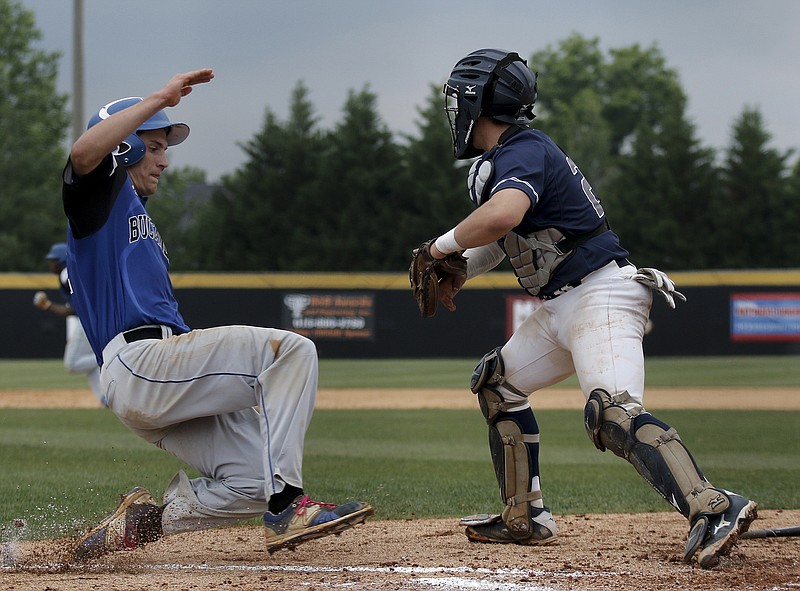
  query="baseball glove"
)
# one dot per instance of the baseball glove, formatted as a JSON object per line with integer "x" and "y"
{"x": 426, "y": 272}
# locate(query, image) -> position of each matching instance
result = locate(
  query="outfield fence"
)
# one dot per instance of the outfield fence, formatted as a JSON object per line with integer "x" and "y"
{"x": 374, "y": 316}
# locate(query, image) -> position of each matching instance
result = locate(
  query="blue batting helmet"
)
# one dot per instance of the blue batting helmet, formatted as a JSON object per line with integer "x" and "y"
{"x": 58, "y": 252}
{"x": 132, "y": 149}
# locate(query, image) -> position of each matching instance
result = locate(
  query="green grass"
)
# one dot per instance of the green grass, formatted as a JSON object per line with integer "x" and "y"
{"x": 63, "y": 469}
{"x": 38, "y": 374}
{"x": 661, "y": 372}
{"x": 741, "y": 372}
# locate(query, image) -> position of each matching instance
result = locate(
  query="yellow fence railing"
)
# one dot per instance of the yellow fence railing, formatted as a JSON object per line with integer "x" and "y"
{"x": 495, "y": 280}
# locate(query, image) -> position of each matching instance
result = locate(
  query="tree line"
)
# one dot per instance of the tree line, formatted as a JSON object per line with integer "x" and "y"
{"x": 359, "y": 198}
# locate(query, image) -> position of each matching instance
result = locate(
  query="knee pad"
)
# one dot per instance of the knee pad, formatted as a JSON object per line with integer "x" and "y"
{"x": 608, "y": 420}
{"x": 487, "y": 376}
{"x": 513, "y": 468}
{"x": 655, "y": 449}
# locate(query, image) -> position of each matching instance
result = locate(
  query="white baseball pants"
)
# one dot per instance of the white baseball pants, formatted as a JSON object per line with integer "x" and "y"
{"x": 594, "y": 331}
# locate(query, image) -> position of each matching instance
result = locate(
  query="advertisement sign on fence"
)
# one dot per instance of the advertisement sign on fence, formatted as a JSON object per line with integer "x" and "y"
{"x": 765, "y": 317}
{"x": 331, "y": 316}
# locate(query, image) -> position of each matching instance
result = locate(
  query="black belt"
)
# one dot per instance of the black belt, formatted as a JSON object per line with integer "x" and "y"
{"x": 145, "y": 332}
{"x": 619, "y": 262}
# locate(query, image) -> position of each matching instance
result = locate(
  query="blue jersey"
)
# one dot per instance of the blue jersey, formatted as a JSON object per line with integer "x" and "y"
{"x": 561, "y": 198}
{"x": 118, "y": 265}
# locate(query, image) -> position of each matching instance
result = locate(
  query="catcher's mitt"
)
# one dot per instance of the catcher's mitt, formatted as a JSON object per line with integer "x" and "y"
{"x": 426, "y": 272}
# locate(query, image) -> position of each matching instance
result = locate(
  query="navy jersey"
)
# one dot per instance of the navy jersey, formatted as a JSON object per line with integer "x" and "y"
{"x": 560, "y": 197}
{"x": 118, "y": 266}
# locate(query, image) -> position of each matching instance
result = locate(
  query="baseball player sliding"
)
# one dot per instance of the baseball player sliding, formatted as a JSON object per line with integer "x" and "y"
{"x": 535, "y": 207}
{"x": 78, "y": 354}
{"x": 192, "y": 393}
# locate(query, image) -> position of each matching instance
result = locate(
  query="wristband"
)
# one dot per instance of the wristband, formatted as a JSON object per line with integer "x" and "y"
{"x": 446, "y": 243}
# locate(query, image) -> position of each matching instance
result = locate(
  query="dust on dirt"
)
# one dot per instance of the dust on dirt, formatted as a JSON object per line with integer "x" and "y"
{"x": 592, "y": 552}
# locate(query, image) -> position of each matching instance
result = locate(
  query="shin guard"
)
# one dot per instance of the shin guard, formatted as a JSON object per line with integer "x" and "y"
{"x": 514, "y": 445}
{"x": 513, "y": 456}
{"x": 622, "y": 425}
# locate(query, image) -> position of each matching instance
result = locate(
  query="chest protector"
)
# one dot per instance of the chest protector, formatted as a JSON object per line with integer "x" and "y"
{"x": 536, "y": 256}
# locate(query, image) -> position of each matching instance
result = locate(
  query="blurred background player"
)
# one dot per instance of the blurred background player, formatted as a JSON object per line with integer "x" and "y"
{"x": 78, "y": 354}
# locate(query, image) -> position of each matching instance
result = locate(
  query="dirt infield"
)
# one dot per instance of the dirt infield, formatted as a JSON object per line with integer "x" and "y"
{"x": 592, "y": 552}
{"x": 744, "y": 398}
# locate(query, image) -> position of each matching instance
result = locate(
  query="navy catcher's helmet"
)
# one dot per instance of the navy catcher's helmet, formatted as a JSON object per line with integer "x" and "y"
{"x": 132, "y": 149}
{"x": 491, "y": 82}
{"x": 58, "y": 252}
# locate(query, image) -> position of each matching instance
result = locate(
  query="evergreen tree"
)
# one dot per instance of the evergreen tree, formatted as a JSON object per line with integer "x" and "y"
{"x": 33, "y": 124}
{"x": 789, "y": 219}
{"x": 174, "y": 208}
{"x": 622, "y": 119}
{"x": 352, "y": 199}
{"x": 258, "y": 219}
{"x": 360, "y": 198}
{"x": 751, "y": 229}
{"x": 434, "y": 193}
{"x": 662, "y": 195}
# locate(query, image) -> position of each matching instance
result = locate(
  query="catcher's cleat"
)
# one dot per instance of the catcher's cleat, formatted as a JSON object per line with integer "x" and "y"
{"x": 305, "y": 520}
{"x": 135, "y": 522}
{"x": 715, "y": 534}
{"x": 490, "y": 529}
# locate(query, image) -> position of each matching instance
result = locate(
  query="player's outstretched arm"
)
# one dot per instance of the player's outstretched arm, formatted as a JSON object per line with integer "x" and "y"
{"x": 101, "y": 139}
{"x": 491, "y": 221}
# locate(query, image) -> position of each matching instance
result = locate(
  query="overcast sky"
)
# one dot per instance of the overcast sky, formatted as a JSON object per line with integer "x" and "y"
{"x": 729, "y": 54}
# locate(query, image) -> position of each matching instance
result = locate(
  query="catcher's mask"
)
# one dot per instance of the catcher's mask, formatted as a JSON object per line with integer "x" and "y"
{"x": 132, "y": 148}
{"x": 491, "y": 82}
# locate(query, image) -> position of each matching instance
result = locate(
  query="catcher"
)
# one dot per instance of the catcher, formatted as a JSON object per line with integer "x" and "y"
{"x": 535, "y": 207}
